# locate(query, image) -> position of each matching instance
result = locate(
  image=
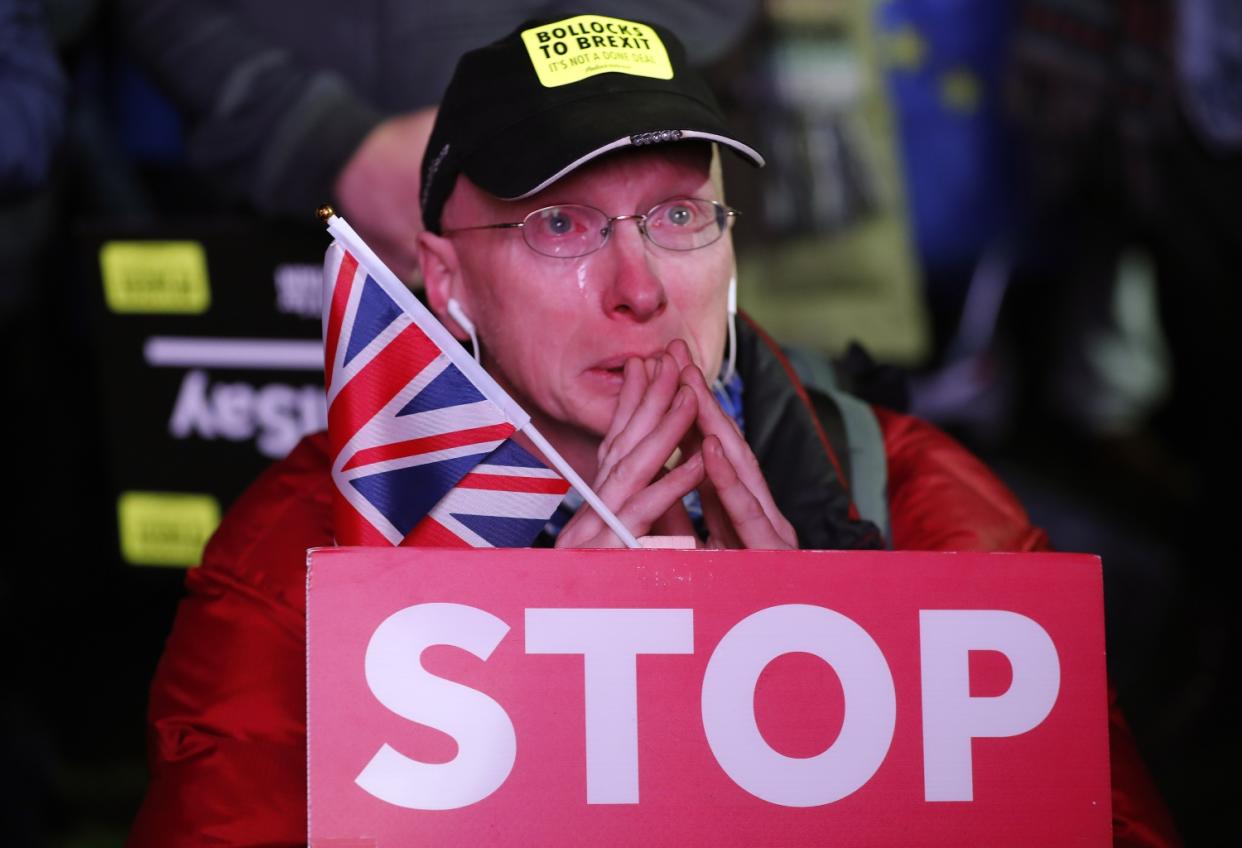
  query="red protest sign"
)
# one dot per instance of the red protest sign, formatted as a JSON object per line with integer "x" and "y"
{"x": 719, "y": 697}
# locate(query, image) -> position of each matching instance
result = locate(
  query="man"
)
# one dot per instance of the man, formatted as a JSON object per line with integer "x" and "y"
{"x": 576, "y": 228}
{"x": 637, "y": 328}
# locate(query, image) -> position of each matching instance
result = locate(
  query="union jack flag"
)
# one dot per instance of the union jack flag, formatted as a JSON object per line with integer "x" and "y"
{"x": 419, "y": 433}
{"x": 503, "y": 502}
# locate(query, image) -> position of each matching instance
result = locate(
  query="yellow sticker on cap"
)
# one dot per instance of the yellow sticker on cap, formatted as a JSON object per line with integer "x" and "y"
{"x": 576, "y": 48}
{"x": 165, "y": 528}
{"x": 155, "y": 277}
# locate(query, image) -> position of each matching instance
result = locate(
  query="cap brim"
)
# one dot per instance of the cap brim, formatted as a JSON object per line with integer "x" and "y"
{"x": 532, "y": 155}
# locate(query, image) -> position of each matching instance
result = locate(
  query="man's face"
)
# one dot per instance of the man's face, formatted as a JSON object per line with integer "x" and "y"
{"x": 556, "y": 332}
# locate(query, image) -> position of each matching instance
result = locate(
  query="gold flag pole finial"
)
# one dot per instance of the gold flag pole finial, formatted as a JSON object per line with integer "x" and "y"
{"x": 325, "y": 212}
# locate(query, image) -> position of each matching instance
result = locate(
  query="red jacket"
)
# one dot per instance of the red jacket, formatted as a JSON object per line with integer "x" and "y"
{"x": 228, "y": 704}
{"x": 227, "y": 746}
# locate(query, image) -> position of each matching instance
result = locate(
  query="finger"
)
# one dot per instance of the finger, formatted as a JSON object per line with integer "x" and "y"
{"x": 662, "y": 499}
{"x": 719, "y": 528}
{"x": 713, "y": 421}
{"x": 715, "y": 418}
{"x": 750, "y": 522}
{"x": 651, "y": 410}
{"x": 633, "y": 387}
{"x": 582, "y": 525}
{"x": 680, "y": 351}
{"x": 627, "y": 472}
{"x": 639, "y": 512}
{"x": 638, "y": 397}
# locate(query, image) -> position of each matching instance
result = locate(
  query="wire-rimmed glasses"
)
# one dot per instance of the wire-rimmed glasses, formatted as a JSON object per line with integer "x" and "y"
{"x": 569, "y": 230}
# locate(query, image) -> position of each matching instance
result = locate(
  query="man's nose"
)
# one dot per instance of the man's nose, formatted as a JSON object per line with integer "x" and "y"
{"x": 635, "y": 290}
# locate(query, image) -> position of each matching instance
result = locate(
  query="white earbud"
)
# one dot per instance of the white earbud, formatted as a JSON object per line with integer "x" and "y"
{"x": 459, "y": 315}
{"x": 726, "y": 373}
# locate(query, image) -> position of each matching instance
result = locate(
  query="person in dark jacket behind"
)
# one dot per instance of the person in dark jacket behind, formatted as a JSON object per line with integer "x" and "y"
{"x": 287, "y": 104}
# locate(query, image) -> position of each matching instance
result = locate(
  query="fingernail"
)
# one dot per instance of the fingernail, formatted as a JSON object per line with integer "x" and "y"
{"x": 656, "y": 372}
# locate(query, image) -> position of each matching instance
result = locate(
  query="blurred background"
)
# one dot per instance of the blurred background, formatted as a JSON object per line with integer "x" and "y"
{"x": 1026, "y": 212}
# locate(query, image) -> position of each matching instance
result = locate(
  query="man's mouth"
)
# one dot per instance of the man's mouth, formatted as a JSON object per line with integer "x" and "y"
{"x": 617, "y": 363}
{"x": 610, "y": 372}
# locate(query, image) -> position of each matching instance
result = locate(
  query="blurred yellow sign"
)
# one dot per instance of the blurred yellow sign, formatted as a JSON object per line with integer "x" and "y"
{"x": 165, "y": 528}
{"x": 155, "y": 277}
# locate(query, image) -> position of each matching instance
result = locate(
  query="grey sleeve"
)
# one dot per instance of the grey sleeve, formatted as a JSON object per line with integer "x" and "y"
{"x": 277, "y": 131}
{"x": 261, "y": 124}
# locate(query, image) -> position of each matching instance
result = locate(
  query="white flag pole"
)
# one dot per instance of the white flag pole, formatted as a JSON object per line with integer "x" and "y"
{"x": 588, "y": 494}
{"x": 340, "y": 230}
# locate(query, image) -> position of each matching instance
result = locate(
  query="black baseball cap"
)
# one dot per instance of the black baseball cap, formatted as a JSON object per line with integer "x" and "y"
{"x": 554, "y": 94}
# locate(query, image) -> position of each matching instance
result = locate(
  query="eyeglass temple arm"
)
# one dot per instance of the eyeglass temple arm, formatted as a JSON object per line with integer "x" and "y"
{"x": 513, "y": 226}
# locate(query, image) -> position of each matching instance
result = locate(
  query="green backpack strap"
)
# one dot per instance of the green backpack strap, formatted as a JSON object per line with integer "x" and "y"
{"x": 853, "y": 431}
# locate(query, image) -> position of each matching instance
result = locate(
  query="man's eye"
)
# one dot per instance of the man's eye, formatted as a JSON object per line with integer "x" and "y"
{"x": 557, "y": 222}
{"x": 680, "y": 215}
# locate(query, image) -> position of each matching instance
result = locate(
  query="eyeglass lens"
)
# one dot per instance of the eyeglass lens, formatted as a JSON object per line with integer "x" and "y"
{"x": 681, "y": 223}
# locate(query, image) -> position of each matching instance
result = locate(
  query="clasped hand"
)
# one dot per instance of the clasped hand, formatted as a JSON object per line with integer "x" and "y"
{"x": 665, "y": 404}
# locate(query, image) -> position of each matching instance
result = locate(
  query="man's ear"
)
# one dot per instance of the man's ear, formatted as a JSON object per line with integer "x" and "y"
{"x": 437, "y": 259}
